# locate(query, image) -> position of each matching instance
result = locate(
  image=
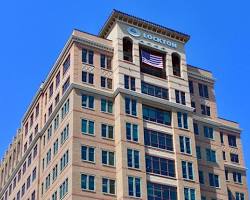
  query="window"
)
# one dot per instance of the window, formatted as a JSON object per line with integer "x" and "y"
{"x": 64, "y": 189}
{"x": 51, "y": 89}
{"x": 203, "y": 90}
{"x": 226, "y": 174}
{"x": 55, "y": 147}
{"x": 214, "y": 180}
{"x": 65, "y": 134}
{"x": 54, "y": 196}
{"x": 29, "y": 160}
{"x": 234, "y": 158}
{"x": 134, "y": 186}
{"x": 106, "y": 82}
{"x": 49, "y": 132}
{"x": 176, "y": 63}
{"x": 182, "y": 120}
{"x": 66, "y": 64}
{"x": 50, "y": 110}
{"x": 232, "y": 140}
{"x": 196, "y": 129}
{"x": 211, "y": 155}
{"x": 201, "y": 177}
{"x": 208, "y": 132}
{"x": 180, "y": 97}
{"x": 132, "y": 132}
{"x": 88, "y": 182}
{"x": 88, "y": 127}
{"x": 56, "y": 122}
{"x": 158, "y": 139}
{"x": 205, "y": 110}
{"x": 191, "y": 87}
{"x": 127, "y": 49}
{"x": 161, "y": 166}
{"x": 187, "y": 170}
{"x": 55, "y": 173}
{"x": 34, "y": 174}
{"x": 105, "y": 62}
{"x": 47, "y": 182}
{"x": 24, "y": 167}
{"x": 87, "y": 77}
{"x": 108, "y": 158}
{"x": 87, "y": 101}
{"x": 64, "y": 160}
{"x": 129, "y": 82}
{"x": 88, "y": 153}
{"x": 107, "y": 131}
{"x": 154, "y": 90}
{"x": 133, "y": 158}
{"x": 87, "y": 56}
{"x": 193, "y": 105}
{"x": 189, "y": 194}
{"x": 35, "y": 152}
{"x": 156, "y": 115}
{"x": 221, "y": 138}
{"x": 224, "y": 155}
{"x": 185, "y": 144}
{"x": 57, "y": 99}
{"x": 237, "y": 177}
{"x": 58, "y": 79}
{"x": 239, "y": 196}
{"x": 108, "y": 186}
{"x": 48, "y": 157}
{"x": 130, "y": 106}
{"x": 106, "y": 106}
{"x": 65, "y": 85}
{"x": 157, "y": 191}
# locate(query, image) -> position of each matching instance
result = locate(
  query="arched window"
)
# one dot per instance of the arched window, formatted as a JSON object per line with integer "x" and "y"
{"x": 127, "y": 49}
{"x": 176, "y": 63}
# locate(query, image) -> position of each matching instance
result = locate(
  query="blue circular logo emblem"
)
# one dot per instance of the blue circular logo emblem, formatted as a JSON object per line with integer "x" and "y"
{"x": 134, "y": 32}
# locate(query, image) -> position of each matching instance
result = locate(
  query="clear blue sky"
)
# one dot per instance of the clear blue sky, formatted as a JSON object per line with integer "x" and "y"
{"x": 32, "y": 33}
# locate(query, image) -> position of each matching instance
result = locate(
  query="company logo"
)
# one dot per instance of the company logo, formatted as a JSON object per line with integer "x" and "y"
{"x": 134, "y": 32}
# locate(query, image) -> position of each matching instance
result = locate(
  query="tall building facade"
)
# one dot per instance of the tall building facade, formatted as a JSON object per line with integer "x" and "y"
{"x": 121, "y": 115}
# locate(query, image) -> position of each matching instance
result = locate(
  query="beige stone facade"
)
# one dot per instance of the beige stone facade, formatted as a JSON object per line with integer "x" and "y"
{"x": 107, "y": 125}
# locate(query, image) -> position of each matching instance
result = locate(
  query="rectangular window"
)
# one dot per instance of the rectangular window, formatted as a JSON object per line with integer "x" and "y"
{"x": 134, "y": 186}
{"x": 88, "y": 127}
{"x": 232, "y": 140}
{"x": 161, "y": 166}
{"x": 108, "y": 158}
{"x": 205, "y": 110}
{"x": 64, "y": 160}
{"x": 196, "y": 129}
{"x": 87, "y": 56}
{"x": 106, "y": 106}
{"x": 185, "y": 144}
{"x": 51, "y": 90}
{"x": 209, "y": 132}
{"x": 105, "y": 62}
{"x": 87, "y": 101}
{"x": 130, "y": 106}
{"x": 55, "y": 147}
{"x": 214, "y": 180}
{"x": 201, "y": 177}
{"x": 34, "y": 174}
{"x": 54, "y": 196}
{"x": 66, "y": 64}
{"x": 153, "y": 90}
{"x": 106, "y": 82}
{"x": 65, "y": 85}
{"x": 158, "y": 139}
{"x": 187, "y": 170}
{"x": 193, "y": 105}
{"x": 239, "y": 196}
{"x": 107, "y": 131}
{"x": 55, "y": 173}
{"x": 64, "y": 189}
{"x": 108, "y": 186}
{"x": 182, "y": 120}
{"x": 161, "y": 192}
{"x": 58, "y": 78}
{"x": 191, "y": 87}
{"x": 156, "y": 115}
{"x": 198, "y": 152}
{"x": 224, "y": 155}
{"x": 48, "y": 157}
{"x": 88, "y": 182}
{"x": 129, "y": 82}
{"x": 237, "y": 177}
{"x": 87, "y": 77}
{"x": 221, "y": 138}
{"x": 50, "y": 110}
{"x": 226, "y": 174}
{"x": 189, "y": 194}
{"x": 132, "y": 132}
{"x": 180, "y": 97}
{"x": 133, "y": 158}
{"x": 203, "y": 90}
{"x": 88, "y": 153}
{"x": 56, "y": 122}
{"x": 65, "y": 134}
{"x": 234, "y": 158}
{"x": 211, "y": 155}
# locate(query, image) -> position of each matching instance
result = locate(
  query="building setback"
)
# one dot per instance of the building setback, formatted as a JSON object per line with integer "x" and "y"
{"x": 122, "y": 116}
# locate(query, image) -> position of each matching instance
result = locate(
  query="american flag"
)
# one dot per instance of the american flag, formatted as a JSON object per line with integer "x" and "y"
{"x": 152, "y": 60}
